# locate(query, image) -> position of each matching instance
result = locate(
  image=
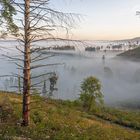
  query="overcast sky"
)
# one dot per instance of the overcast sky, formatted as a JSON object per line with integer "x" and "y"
{"x": 103, "y": 19}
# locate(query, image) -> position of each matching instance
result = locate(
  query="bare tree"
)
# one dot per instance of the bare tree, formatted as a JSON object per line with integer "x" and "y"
{"x": 40, "y": 22}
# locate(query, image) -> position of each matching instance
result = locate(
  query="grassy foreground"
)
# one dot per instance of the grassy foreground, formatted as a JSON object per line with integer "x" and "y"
{"x": 56, "y": 120}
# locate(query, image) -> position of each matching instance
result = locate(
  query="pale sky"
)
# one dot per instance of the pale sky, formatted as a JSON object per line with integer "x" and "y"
{"x": 103, "y": 19}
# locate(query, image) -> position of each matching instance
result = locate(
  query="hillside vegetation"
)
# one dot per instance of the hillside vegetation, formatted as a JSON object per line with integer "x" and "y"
{"x": 60, "y": 120}
{"x": 131, "y": 54}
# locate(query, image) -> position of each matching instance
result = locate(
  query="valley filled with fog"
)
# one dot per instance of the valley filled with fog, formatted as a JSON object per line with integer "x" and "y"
{"x": 120, "y": 78}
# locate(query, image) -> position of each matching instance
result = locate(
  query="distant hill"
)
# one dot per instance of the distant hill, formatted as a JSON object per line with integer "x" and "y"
{"x": 131, "y": 54}
{"x": 127, "y": 40}
{"x": 136, "y": 39}
{"x": 133, "y": 39}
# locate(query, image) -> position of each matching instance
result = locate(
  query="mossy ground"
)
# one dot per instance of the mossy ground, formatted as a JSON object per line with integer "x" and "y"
{"x": 56, "y": 120}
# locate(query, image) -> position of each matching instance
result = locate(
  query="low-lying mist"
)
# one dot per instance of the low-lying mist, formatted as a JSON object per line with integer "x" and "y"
{"x": 120, "y": 78}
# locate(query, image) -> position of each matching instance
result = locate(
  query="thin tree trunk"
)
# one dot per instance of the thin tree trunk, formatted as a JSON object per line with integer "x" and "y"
{"x": 26, "y": 71}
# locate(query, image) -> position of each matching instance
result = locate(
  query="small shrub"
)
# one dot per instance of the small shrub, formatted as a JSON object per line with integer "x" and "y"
{"x": 36, "y": 117}
{"x": 6, "y": 111}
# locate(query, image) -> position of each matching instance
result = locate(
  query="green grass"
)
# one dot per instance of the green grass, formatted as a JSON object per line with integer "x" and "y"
{"x": 57, "y": 120}
{"x": 123, "y": 117}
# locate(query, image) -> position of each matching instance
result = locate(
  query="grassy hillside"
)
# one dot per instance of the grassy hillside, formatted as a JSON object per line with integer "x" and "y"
{"x": 58, "y": 120}
{"x": 131, "y": 54}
